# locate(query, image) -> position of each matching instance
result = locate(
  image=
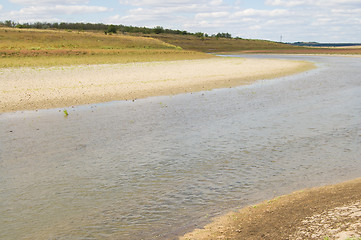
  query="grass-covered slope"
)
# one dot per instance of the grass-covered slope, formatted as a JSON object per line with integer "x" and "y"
{"x": 237, "y": 45}
{"x": 213, "y": 44}
{"x": 32, "y": 39}
{"x": 30, "y": 47}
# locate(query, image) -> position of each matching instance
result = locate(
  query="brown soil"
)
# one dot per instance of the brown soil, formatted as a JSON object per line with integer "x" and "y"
{"x": 330, "y": 212}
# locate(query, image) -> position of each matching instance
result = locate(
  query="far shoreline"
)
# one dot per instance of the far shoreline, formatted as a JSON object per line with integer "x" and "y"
{"x": 57, "y": 87}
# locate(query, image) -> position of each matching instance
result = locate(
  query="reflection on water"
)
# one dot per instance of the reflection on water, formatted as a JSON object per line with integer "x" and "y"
{"x": 157, "y": 167}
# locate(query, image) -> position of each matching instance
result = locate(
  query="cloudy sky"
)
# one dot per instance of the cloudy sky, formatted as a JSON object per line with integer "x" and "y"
{"x": 294, "y": 20}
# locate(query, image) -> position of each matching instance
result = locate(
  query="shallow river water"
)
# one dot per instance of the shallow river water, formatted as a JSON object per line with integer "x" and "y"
{"x": 158, "y": 167}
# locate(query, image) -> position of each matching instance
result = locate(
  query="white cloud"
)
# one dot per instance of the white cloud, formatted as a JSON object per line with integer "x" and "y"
{"x": 320, "y": 20}
{"x": 59, "y": 9}
{"x": 152, "y": 17}
{"x": 346, "y": 11}
{"x": 296, "y": 20}
{"x": 211, "y": 15}
{"x": 168, "y": 3}
{"x": 168, "y": 13}
{"x": 53, "y": 10}
{"x": 163, "y": 10}
{"x": 49, "y": 2}
{"x": 261, "y": 13}
{"x": 317, "y": 3}
{"x": 1, "y": 7}
{"x": 340, "y": 2}
{"x": 55, "y": 13}
{"x": 286, "y": 3}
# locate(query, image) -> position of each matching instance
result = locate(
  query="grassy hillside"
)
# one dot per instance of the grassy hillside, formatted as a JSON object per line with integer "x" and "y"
{"x": 31, "y": 47}
{"x": 213, "y": 44}
{"x": 234, "y": 45}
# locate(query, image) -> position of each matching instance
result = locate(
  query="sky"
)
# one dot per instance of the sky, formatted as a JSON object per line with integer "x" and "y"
{"x": 276, "y": 20}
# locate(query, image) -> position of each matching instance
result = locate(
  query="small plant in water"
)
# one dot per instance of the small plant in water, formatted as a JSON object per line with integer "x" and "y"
{"x": 65, "y": 113}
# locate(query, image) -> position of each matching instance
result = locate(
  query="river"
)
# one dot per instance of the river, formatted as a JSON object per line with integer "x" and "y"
{"x": 158, "y": 167}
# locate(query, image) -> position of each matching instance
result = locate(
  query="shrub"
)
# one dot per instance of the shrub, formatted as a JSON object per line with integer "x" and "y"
{"x": 112, "y": 29}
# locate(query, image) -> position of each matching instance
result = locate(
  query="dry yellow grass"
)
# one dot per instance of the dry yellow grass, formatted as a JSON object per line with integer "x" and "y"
{"x": 212, "y": 44}
{"x": 83, "y": 57}
{"x": 35, "y": 39}
{"x": 32, "y": 48}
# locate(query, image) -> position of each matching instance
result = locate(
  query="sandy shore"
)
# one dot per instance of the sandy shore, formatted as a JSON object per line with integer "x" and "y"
{"x": 327, "y": 213}
{"x": 39, "y": 88}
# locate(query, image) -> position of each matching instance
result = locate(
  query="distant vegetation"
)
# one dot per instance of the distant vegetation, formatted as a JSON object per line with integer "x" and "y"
{"x": 316, "y": 44}
{"x": 49, "y": 44}
{"x": 220, "y": 42}
{"x": 106, "y": 28}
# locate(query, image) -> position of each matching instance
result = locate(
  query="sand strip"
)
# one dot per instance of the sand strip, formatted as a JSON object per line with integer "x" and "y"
{"x": 39, "y": 88}
{"x": 329, "y": 212}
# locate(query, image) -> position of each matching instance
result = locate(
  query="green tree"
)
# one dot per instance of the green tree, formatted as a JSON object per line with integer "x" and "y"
{"x": 112, "y": 29}
{"x": 199, "y": 34}
{"x": 158, "y": 30}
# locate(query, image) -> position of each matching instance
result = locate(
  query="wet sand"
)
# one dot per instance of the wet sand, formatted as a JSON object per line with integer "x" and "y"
{"x": 329, "y": 212}
{"x": 55, "y": 87}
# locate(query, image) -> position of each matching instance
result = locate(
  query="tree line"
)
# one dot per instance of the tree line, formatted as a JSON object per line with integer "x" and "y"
{"x": 108, "y": 29}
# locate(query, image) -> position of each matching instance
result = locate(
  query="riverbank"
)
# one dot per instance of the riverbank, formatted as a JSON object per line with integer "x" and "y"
{"x": 329, "y": 212}
{"x": 55, "y": 87}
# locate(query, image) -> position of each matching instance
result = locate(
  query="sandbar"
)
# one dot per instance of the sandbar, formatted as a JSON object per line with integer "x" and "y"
{"x": 327, "y": 212}
{"x": 57, "y": 87}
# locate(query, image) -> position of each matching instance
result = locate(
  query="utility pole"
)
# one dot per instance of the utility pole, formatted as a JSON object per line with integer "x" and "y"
{"x": 281, "y": 38}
